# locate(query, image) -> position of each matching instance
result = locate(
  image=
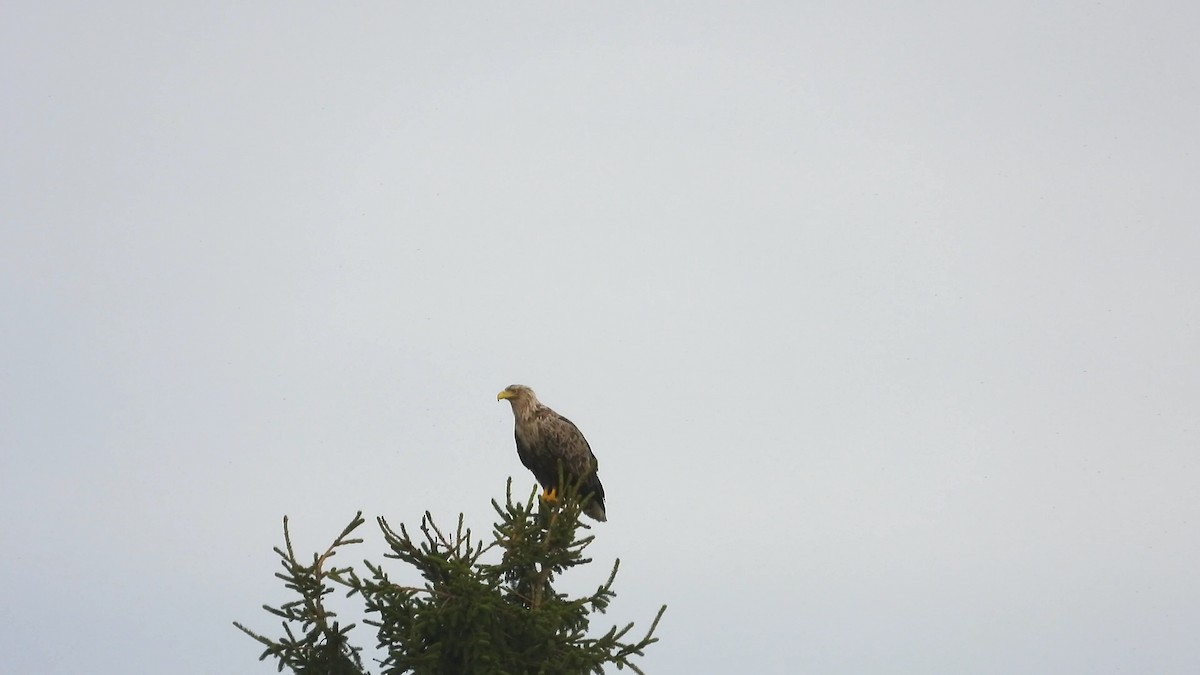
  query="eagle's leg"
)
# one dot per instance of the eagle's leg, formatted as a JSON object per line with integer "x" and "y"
{"x": 550, "y": 495}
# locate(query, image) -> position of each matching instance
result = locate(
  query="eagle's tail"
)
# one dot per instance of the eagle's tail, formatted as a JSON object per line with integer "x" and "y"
{"x": 595, "y": 509}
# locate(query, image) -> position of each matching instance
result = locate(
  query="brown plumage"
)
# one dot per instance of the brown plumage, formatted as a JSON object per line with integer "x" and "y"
{"x": 544, "y": 438}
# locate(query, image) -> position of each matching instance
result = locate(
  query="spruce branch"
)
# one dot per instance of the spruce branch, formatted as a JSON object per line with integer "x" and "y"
{"x": 323, "y": 646}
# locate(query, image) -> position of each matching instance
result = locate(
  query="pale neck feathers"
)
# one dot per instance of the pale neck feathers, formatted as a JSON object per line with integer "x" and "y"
{"x": 525, "y": 405}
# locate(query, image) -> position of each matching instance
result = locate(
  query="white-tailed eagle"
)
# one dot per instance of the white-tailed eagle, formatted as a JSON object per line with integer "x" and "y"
{"x": 544, "y": 438}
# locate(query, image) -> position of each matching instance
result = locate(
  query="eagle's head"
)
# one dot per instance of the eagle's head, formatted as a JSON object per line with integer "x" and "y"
{"x": 516, "y": 391}
{"x": 519, "y": 396}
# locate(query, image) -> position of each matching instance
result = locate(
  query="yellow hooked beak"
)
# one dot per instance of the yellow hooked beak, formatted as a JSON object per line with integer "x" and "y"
{"x": 503, "y": 395}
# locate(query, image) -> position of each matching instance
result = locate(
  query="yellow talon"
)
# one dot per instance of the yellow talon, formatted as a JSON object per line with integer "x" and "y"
{"x": 550, "y": 495}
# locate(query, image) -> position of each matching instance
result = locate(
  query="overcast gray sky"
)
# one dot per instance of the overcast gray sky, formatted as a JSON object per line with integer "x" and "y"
{"x": 883, "y": 319}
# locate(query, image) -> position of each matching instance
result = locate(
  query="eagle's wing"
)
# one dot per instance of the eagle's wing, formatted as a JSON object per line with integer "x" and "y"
{"x": 578, "y": 461}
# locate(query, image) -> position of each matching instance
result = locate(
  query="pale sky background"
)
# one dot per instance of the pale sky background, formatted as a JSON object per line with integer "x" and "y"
{"x": 883, "y": 320}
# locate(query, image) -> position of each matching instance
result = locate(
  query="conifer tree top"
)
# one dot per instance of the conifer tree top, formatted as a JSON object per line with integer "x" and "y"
{"x": 457, "y": 605}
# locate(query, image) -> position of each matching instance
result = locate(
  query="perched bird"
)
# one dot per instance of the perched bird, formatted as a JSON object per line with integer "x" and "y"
{"x": 544, "y": 438}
